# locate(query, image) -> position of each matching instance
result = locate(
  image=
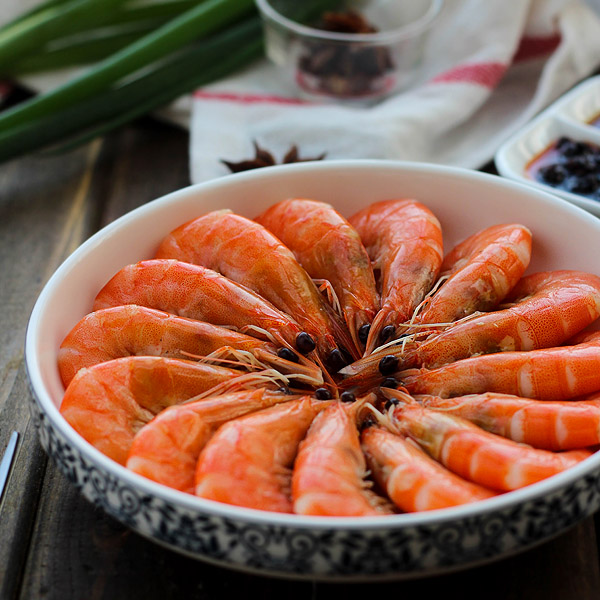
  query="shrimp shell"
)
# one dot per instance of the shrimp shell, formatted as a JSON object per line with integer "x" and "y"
{"x": 330, "y": 469}
{"x": 166, "y": 450}
{"x": 470, "y": 452}
{"x": 480, "y": 272}
{"x": 329, "y": 248}
{"x": 108, "y": 403}
{"x": 136, "y": 330}
{"x": 196, "y": 292}
{"x": 412, "y": 479}
{"x": 247, "y": 253}
{"x": 404, "y": 241}
{"x": 549, "y": 307}
{"x": 548, "y": 374}
{"x": 248, "y": 460}
{"x": 542, "y": 424}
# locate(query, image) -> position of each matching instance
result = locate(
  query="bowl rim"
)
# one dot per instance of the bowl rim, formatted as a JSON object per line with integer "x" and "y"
{"x": 408, "y": 31}
{"x": 258, "y": 517}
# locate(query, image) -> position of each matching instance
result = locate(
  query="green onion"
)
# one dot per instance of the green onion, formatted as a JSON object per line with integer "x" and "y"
{"x": 198, "y": 65}
{"x": 196, "y": 47}
{"x": 28, "y": 34}
{"x": 193, "y": 24}
{"x": 83, "y": 52}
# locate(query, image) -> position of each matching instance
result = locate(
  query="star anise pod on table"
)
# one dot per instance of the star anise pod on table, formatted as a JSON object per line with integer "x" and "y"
{"x": 264, "y": 158}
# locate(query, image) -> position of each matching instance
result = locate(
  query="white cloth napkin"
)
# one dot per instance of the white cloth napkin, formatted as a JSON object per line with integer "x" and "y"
{"x": 488, "y": 68}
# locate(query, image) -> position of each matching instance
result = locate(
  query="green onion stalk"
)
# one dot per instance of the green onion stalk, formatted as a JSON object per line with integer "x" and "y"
{"x": 198, "y": 46}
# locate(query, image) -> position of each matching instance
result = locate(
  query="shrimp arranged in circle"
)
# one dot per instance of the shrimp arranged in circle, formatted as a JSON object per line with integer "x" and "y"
{"x": 329, "y": 248}
{"x": 196, "y": 292}
{"x": 404, "y": 241}
{"x": 248, "y": 460}
{"x": 132, "y": 330}
{"x": 546, "y": 424}
{"x": 549, "y": 374}
{"x": 330, "y": 469}
{"x": 247, "y": 253}
{"x": 479, "y": 273}
{"x": 546, "y": 309}
{"x": 108, "y": 403}
{"x": 412, "y": 479}
{"x": 166, "y": 450}
{"x": 477, "y": 455}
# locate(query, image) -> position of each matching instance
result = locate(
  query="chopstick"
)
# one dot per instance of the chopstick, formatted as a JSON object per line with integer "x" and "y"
{"x": 6, "y": 463}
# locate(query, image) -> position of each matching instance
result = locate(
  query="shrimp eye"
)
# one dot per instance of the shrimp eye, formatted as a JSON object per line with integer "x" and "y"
{"x": 388, "y": 364}
{"x": 287, "y": 354}
{"x": 305, "y": 342}
{"x": 368, "y": 422}
{"x": 284, "y": 390}
{"x": 386, "y": 333}
{"x": 336, "y": 360}
{"x": 363, "y": 333}
{"x": 389, "y": 382}
{"x": 347, "y": 397}
{"x": 322, "y": 394}
{"x": 391, "y": 402}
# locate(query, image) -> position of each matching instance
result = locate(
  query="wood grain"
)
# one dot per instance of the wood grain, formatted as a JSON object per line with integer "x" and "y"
{"x": 54, "y": 544}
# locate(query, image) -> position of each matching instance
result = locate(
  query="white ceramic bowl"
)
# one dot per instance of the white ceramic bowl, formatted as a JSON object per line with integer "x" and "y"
{"x": 569, "y": 116}
{"x": 328, "y": 548}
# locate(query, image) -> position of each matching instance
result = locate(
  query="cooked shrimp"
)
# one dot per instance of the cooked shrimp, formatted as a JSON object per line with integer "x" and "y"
{"x": 166, "y": 450}
{"x": 550, "y": 425}
{"x": 198, "y": 293}
{"x": 136, "y": 330}
{"x": 330, "y": 469}
{"x": 548, "y": 308}
{"x": 248, "y": 460}
{"x": 412, "y": 479}
{"x": 247, "y": 253}
{"x": 479, "y": 273}
{"x": 470, "y": 452}
{"x": 404, "y": 241}
{"x": 548, "y": 374}
{"x": 329, "y": 248}
{"x": 109, "y": 402}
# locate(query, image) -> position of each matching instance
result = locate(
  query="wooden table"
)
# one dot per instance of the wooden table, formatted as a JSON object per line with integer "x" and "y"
{"x": 53, "y": 543}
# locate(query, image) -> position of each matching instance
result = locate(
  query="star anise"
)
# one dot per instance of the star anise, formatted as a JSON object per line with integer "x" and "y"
{"x": 344, "y": 70}
{"x": 264, "y": 158}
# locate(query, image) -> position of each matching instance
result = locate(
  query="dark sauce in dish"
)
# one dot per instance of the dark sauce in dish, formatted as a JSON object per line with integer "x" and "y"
{"x": 569, "y": 165}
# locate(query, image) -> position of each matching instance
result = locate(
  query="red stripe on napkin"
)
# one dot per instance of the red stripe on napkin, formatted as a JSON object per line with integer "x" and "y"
{"x": 248, "y": 98}
{"x": 534, "y": 47}
{"x": 484, "y": 74}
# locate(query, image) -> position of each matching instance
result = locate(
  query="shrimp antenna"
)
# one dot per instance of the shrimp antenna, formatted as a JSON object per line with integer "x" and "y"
{"x": 247, "y": 380}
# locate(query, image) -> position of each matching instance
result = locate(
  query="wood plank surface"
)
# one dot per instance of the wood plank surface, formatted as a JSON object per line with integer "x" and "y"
{"x": 54, "y": 544}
